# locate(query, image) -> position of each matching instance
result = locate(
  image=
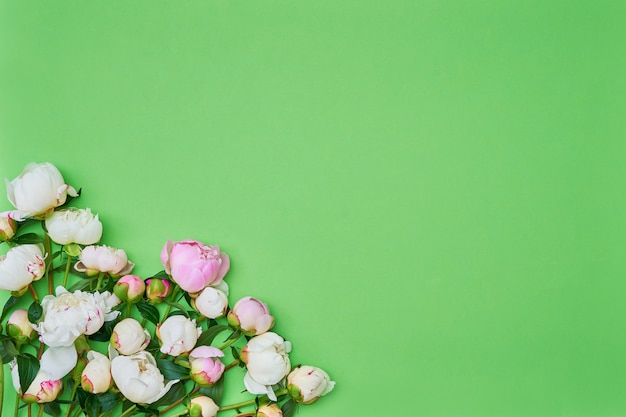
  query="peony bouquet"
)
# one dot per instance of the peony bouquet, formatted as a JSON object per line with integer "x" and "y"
{"x": 84, "y": 336}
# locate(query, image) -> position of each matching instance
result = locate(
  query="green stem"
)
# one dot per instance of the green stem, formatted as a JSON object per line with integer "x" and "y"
{"x": 169, "y": 306}
{"x": 40, "y": 413}
{"x": 251, "y": 414}
{"x": 100, "y": 278}
{"x": 129, "y": 306}
{"x": 230, "y": 342}
{"x": 128, "y": 411}
{"x": 18, "y": 397}
{"x": 33, "y": 293}
{"x": 69, "y": 407}
{"x": 250, "y": 402}
{"x": 67, "y": 270}
{"x": 49, "y": 273}
{"x": 232, "y": 365}
{"x": 174, "y": 404}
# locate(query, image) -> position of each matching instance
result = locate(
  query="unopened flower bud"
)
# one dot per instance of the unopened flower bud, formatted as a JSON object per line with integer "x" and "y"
{"x": 19, "y": 327}
{"x": 269, "y": 410}
{"x": 96, "y": 377}
{"x": 157, "y": 290}
{"x": 211, "y": 303}
{"x": 129, "y": 288}
{"x": 202, "y": 406}
{"x": 128, "y": 337}
{"x": 307, "y": 383}
{"x": 8, "y": 227}
{"x": 206, "y": 369}
{"x": 250, "y": 315}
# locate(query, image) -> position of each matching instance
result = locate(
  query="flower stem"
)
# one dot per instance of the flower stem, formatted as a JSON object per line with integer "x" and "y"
{"x": 174, "y": 404}
{"x": 49, "y": 272}
{"x": 40, "y": 413}
{"x": 169, "y": 306}
{"x": 230, "y": 342}
{"x": 33, "y": 293}
{"x": 18, "y": 397}
{"x": 1, "y": 387}
{"x": 100, "y": 278}
{"x": 232, "y": 365}
{"x": 251, "y": 414}
{"x": 69, "y": 407}
{"x": 67, "y": 270}
{"x": 250, "y": 402}
{"x": 128, "y": 411}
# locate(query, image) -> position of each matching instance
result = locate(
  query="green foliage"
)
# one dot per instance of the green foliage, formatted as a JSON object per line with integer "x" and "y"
{"x": 171, "y": 370}
{"x": 149, "y": 312}
{"x": 216, "y": 392}
{"x": 35, "y": 312}
{"x": 207, "y": 336}
{"x": 28, "y": 367}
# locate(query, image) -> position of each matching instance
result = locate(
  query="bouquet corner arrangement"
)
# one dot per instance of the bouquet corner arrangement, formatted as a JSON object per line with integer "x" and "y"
{"x": 82, "y": 335}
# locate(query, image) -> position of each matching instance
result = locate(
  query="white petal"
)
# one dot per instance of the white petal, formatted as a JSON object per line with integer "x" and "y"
{"x": 58, "y": 361}
{"x": 254, "y": 387}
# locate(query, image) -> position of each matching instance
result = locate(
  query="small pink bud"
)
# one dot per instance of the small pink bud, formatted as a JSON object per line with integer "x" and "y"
{"x": 251, "y": 316}
{"x": 206, "y": 369}
{"x": 157, "y": 290}
{"x": 129, "y": 288}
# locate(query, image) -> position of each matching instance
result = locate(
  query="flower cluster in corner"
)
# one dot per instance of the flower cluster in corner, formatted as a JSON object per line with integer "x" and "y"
{"x": 83, "y": 336}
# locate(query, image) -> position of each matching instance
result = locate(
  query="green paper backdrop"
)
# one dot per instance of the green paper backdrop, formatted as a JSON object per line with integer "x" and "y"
{"x": 428, "y": 194}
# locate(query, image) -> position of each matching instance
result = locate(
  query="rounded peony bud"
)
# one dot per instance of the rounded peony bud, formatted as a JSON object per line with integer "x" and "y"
{"x": 8, "y": 227}
{"x": 206, "y": 369}
{"x": 20, "y": 266}
{"x": 130, "y": 288}
{"x": 178, "y": 335}
{"x": 129, "y": 337}
{"x": 269, "y": 410}
{"x": 202, "y": 406}
{"x": 267, "y": 363}
{"x": 251, "y": 316}
{"x": 43, "y": 389}
{"x": 38, "y": 190}
{"x": 194, "y": 265}
{"x": 96, "y": 259}
{"x": 96, "y": 377}
{"x": 20, "y": 328}
{"x": 157, "y": 290}
{"x": 211, "y": 303}
{"x": 307, "y": 383}
{"x": 74, "y": 225}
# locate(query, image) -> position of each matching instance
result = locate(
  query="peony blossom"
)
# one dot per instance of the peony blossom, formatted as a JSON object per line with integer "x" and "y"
{"x": 212, "y": 302}
{"x": 129, "y": 337}
{"x": 157, "y": 290}
{"x": 251, "y": 316}
{"x": 307, "y": 383}
{"x": 202, "y": 406}
{"x": 194, "y": 265}
{"x": 68, "y": 315}
{"x": 96, "y": 259}
{"x": 38, "y": 190}
{"x": 96, "y": 377}
{"x": 269, "y": 410}
{"x": 178, "y": 335}
{"x": 74, "y": 226}
{"x": 20, "y": 266}
{"x": 138, "y": 378}
{"x": 130, "y": 288}
{"x": 267, "y": 363}
{"x": 43, "y": 389}
{"x": 19, "y": 327}
{"x": 206, "y": 369}
{"x": 8, "y": 227}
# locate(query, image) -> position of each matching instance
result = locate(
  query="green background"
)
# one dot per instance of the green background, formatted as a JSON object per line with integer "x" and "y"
{"x": 428, "y": 194}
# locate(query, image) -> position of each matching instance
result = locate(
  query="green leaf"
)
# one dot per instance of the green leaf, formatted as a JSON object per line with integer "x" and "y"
{"x": 27, "y": 366}
{"x": 7, "y": 306}
{"x": 53, "y": 408}
{"x": 176, "y": 392}
{"x": 161, "y": 274}
{"x": 216, "y": 392}
{"x": 234, "y": 335}
{"x": 207, "y": 336}
{"x": 28, "y": 238}
{"x": 171, "y": 370}
{"x": 8, "y": 351}
{"x": 104, "y": 334}
{"x": 35, "y": 312}
{"x": 149, "y": 312}
{"x": 81, "y": 285}
{"x": 179, "y": 307}
{"x": 108, "y": 401}
{"x": 235, "y": 353}
{"x": 92, "y": 406}
{"x": 289, "y": 408}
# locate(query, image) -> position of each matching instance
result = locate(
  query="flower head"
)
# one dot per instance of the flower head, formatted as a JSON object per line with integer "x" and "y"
{"x": 307, "y": 383}
{"x": 202, "y": 406}
{"x": 267, "y": 363}
{"x": 96, "y": 259}
{"x": 206, "y": 369}
{"x": 74, "y": 225}
{"x": 251, "y": 315}
{"x": 20, "y": 266}
{"x": 178, "y": 335}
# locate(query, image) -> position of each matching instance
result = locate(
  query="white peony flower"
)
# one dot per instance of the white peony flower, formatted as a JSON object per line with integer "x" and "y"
{"x": 211, "y": 303}
{"x": 138, "y": 378}
{"x": 202, "y": 406}
{"x": 267, "y": 363}
{"x": 96, "y": 377}
{"x": 96, "y": 259}
{"x": 39, "y": 189}
{"x": 21, "y": 265}
{"x": 67, "y": 315}
{"x": 178, "y": 335}
{"x": 74, "y": 226}
{"x": 307, "y": 383}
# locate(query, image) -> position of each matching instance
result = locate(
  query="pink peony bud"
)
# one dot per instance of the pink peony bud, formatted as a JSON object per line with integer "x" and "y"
{"x": 307, "y": 383}
{"x": 43, "y": 389}
{"x": 157, "y": 290}
{"x": 206, "y": 369}
{"x": 130, "y": 288}
{"x": 251, "y": 316}
{"x": 194, "y": 265}
{"x": 202, "y": 406}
